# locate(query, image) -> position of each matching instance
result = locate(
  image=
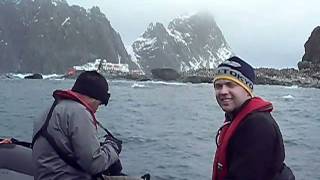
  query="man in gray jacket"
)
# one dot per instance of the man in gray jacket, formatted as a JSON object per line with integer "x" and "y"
{"x": 65, "y": 143}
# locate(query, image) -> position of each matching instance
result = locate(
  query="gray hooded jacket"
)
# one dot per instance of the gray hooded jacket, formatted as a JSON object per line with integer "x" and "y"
{"x": 72, "y": 128}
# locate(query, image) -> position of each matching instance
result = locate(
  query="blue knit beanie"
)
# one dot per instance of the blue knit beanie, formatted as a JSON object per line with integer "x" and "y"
{"x": 238, "y": 71}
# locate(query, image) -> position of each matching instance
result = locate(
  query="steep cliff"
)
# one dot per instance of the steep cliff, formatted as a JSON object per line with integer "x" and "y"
{"x": 311, "y": 59}
{"x": 49, "y": 36}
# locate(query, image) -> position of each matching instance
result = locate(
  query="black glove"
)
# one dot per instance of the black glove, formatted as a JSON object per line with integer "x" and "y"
{"x": 114, "y": 170}
{"x": 115, "y": 143}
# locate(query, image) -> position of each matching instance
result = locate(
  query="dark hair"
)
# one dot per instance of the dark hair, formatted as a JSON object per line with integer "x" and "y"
{"x": 92, "y": 84}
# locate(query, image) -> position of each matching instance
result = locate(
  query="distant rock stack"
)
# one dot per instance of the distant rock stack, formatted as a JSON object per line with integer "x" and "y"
{"x": 311, "y": 59}
{"x": 189, "y": 43}
{"x": 308, "y": 74}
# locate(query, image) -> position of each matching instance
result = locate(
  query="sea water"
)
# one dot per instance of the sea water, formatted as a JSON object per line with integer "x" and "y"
{"x": 168, "y": 129}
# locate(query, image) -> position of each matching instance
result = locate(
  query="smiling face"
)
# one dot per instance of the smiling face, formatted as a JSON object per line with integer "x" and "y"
{"x": 230, "y": 95}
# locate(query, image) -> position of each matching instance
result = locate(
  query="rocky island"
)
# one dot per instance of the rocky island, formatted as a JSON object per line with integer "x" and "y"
{"x": 50, "y": 37}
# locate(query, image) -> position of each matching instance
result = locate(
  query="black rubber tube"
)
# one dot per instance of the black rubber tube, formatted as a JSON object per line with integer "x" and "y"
{"x": 16, "y": 158}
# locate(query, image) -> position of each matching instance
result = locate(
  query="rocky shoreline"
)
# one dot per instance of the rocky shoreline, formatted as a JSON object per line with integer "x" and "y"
{"x": 265, "y": 76}
{"x": 288, "y": 77}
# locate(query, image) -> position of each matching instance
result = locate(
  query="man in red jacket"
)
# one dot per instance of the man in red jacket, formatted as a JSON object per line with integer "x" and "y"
{"x": 249, "y": 143}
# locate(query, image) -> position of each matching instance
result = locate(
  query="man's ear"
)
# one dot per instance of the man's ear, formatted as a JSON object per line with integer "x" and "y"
{"x": 92, "y": 100}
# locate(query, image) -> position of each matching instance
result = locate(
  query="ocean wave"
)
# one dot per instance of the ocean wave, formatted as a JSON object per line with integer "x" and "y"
{"x": 17, "y": 75}
{"x": 53, "y": 76}
{"x": 288, "y": 97}
{"x": 167, "y": 83}
{"x": 137, "y": 85}
{"x": 291, "y": 142}
{"x": 139, "y": 139}
{"x": 23, "y": 75}
{"x": 292, "y": 87}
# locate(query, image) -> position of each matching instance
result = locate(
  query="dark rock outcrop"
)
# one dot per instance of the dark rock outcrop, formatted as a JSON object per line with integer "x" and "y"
{"x": 188, "y": 43}
{"x": 285, "y": 77}
{"x": 34, "y": 76}
{"x": 137, "y": 77}
{"x": 49, "y": 36}
{"x": 202, "y": 75}
{"x": 265, "y": 76}
{"x": 165, "y": 74}
{"x": 311, "y": 59}
{"x": 308, "y": 74}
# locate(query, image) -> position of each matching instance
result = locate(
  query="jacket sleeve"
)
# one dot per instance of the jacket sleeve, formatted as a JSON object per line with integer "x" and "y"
{"x": 83, "y": 136}
{"x": 251, "y": 150}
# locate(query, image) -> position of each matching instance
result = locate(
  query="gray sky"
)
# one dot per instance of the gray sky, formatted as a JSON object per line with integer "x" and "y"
{"x": 266, "y": 33}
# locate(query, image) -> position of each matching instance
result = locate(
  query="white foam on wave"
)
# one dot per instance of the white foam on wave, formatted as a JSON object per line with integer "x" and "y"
{"x": 137, "y": 85}
{"x": 167, "y": 83}
{"x": 292, "y": 87}
{"x": 23, "y": 75}
{"x": 52, "y": 76}
{"x": 17, "y": 75}
{"x": 288, "y": 97}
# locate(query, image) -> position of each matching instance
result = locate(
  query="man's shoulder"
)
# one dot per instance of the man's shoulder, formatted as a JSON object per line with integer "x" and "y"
{"x": 260, "y": 115}
{"x": 71, "y": 108}
{"x": 259, "y": 125}
{"x": 259, "y": 120}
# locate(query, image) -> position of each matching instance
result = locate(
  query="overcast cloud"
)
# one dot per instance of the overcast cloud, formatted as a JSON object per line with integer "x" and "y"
{"x": 266, "y": 33}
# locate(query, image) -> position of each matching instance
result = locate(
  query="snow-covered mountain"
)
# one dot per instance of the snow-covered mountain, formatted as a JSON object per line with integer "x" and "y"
{"x": 188, "y": 43}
